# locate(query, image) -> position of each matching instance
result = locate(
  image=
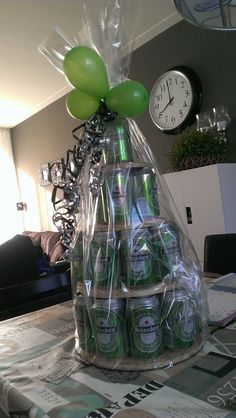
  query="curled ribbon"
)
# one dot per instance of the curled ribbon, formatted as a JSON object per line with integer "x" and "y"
{"x": 90, "y": 143}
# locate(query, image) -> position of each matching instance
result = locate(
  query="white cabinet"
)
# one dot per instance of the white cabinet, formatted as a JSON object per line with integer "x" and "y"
{"x": 210, "y": 194}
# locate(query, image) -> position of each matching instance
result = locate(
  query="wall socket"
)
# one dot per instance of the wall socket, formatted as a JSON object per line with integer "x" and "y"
{"x": 20, "y": 206}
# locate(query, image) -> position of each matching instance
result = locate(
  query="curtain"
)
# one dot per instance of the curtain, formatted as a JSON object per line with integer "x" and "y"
{"x": 10, "y": 219}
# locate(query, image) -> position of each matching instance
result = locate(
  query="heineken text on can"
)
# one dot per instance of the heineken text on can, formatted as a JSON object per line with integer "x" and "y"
{"x": 118, "y": 195}
{"x": 139, "y": 259}
{"x": 83, "y": 324}
{"x": 104, "y": 263}
{"x": 108, "y": 325}
{"x": 145, "y": 196}
{"x": 178, "y": 320}
{"x": 144, "y": 327}
{"x": 167, "y": 245}
{"x": 118, "y": 148}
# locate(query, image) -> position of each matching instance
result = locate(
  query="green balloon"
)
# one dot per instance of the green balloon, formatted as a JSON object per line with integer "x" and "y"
{"x": 128, "y": 99}
{"x": 80, "y": 105}
{"x": 85, "y": 70}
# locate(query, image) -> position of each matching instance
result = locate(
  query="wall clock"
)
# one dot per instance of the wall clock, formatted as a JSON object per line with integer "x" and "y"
{"x": 175, "y": 100}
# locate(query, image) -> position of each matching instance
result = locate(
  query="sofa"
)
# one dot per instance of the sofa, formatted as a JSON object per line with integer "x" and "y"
{"x": 33, "y": 273}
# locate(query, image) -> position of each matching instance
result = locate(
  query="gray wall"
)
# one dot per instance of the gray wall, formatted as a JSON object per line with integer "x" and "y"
{"x": 43, "y": 137}
{"x": 211, "y": 54}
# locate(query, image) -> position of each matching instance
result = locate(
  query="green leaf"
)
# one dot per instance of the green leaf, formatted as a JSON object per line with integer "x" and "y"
{"x": 193, "y": 143}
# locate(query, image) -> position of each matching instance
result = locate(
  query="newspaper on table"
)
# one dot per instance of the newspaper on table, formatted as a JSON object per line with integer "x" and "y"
{"x": 222, "y": 300}
{"x": 45, "y": 377}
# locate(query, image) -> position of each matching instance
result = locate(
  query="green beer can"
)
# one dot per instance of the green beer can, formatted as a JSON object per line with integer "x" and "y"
{"x": 103, "y": 260}
{"x": 118, "y": 148}
{"x": 145, "y": 196}
{"x": 117, "y": 185}
{"x": 178, "y": 320}
{"x": 140, "y": 268}
{"x": 83, "y": 325}
{"x": 144, "y": 327}
{"x": 108, "y": 325}
{"x": 166, "y": 242}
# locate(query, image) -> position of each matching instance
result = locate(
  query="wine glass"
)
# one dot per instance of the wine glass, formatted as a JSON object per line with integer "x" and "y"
{"x": 204, "y": 122}
{"x": 221, "y": 118}
{"x": 221, "y": 121}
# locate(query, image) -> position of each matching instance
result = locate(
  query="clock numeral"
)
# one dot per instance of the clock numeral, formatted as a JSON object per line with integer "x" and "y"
{"x": 159, "y": 97}
{"x": 172, "y": 119}
{"x": 160, "y": 115}
{"x": 170, "y": 81}
{"x": 166, "y": 118}
{"x": 181, "y": 113}
{"x": 157, "y": 106}
{"x": 187, "y": 93}
{"x": 185, "y": 104}
{"x": 176, "y": 80}
{"x": 163, "y": 88}
{"x": 182, "y": 84}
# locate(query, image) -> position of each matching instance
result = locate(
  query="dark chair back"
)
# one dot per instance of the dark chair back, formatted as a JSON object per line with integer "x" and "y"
{"x": 220, "y": 253}
{"x": 37, "y": 294}
{"x": 18, "y": 262}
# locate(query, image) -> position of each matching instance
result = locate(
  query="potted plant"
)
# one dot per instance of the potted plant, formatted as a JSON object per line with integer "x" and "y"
{"x": 196, "y": 149}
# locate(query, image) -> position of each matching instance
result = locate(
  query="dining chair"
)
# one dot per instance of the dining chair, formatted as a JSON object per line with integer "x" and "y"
{"x": 220, "y": 253}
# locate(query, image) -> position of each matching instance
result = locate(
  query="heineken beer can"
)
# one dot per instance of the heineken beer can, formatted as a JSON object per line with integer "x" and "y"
{"x": 139, "y": 266}
{"x": 178, "y": 320}
{"x": 145, "y": 196}
{"x": 103, "y": 260}
{"x": 118, "y": 193}
{"x": 167, "y": 246}
{"x": 83, "y": 324}
{"x": 108, "y": 325}
{"x": 118, "y": 148}
{"x": 144, "y": 327}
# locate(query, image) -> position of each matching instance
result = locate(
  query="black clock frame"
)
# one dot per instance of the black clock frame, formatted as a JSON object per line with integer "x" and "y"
{"x": 196, "y": 103}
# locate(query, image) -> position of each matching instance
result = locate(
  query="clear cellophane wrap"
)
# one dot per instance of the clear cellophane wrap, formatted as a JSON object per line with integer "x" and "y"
{"x": 138, "y": 296}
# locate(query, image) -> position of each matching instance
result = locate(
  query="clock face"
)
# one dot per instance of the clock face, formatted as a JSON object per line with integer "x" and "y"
{"x": 175, "y": 100}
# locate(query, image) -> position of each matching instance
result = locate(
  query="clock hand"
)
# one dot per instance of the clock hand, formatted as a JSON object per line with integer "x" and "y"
{"x": 168, "y": 88}
{"x": 169, "y": 103}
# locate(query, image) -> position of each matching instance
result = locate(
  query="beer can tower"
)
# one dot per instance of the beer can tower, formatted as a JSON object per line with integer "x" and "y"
{"x": 136, "y": 301}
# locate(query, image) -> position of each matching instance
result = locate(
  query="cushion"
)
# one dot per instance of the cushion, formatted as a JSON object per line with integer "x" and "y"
{"x": 36, "y": 240}
{"x": 34, "y": 236}
{"x": 57, "y": 252}
{"x": 17, "y": 261}
{"x": 50, "y": 243}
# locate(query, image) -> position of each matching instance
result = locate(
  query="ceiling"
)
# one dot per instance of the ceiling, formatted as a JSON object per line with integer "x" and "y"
{"x": 28, "y": 82}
